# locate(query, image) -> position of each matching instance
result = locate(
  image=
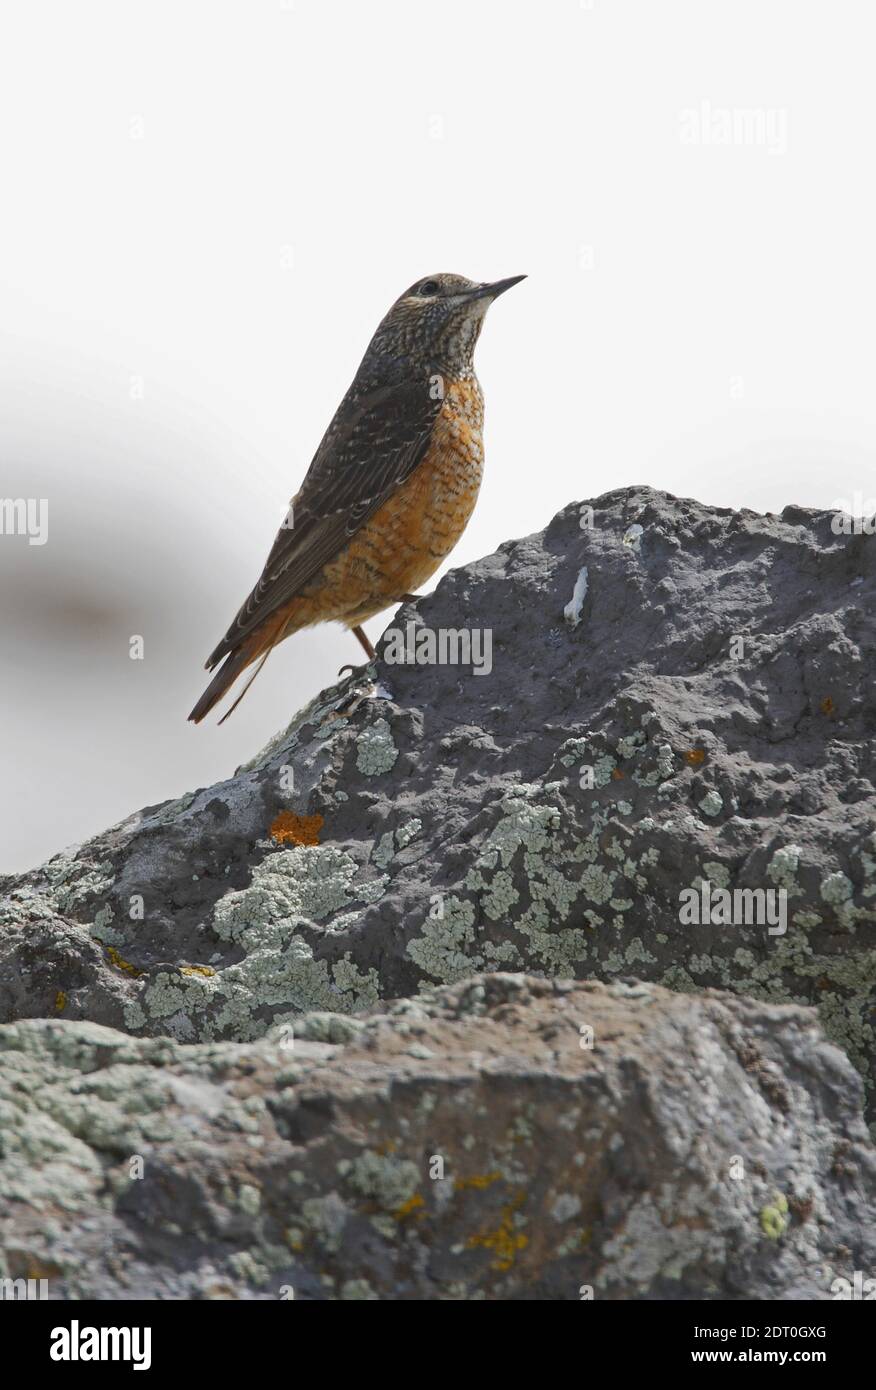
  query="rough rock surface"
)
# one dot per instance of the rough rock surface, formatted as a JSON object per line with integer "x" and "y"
{"x": 205, "y": 1093}
{"x": 504, "y": 1137}
{"x": 700, "y": 707}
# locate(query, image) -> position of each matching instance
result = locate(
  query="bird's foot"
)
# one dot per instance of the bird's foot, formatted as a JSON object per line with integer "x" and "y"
{"x": 409, "y": 598}
{"x": 363, "y": 686}
{"x": 355, "y": 670}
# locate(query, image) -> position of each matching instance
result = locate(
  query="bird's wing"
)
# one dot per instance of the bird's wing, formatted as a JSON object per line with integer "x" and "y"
{"x": 375, "y": 441}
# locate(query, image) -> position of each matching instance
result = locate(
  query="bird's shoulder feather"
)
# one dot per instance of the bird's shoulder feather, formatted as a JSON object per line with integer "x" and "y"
{"x": 378, "y": 436}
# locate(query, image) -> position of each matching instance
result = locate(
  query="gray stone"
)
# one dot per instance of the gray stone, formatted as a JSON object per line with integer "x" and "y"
{"x": 697, "y": 1147}
{"x": 206, "y": 985}
{"x": 720, "y": 685}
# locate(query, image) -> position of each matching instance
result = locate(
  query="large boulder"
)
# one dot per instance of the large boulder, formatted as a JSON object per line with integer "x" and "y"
{"x": 504, "y": 1137}
{"x": 676, "y": 705}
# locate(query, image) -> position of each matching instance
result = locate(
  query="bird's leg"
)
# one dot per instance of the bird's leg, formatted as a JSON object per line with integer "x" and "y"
{"x": 409, "y": 598}
{"x": 366, "y": 645}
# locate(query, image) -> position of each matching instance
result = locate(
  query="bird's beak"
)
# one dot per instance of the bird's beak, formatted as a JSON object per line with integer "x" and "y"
{"x": 496, "y": 288}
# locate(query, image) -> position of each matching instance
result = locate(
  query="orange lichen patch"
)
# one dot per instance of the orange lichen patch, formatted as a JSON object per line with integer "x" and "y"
{"x": 477, "y": 1181}
{"x": 617, "y": 775}
{"x": 409, "y": 1207}
{"x": 827, "y": 706}
{"x": 505, "y": 1242}
{"x": 290, "y": 828}
{"x": 37, "y": 1268}
{"x": 60, "y": 1002}
{"x": 196, "y": 970}
{"x": 120, "y": 963}
{"x": 694, "y": 756}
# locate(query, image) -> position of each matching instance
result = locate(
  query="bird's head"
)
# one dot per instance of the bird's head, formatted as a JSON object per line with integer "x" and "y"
{"x": 439, "y": 318}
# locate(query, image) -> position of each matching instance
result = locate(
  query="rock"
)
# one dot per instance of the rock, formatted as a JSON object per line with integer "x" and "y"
{"x": 504, "y": 1137}
{"x": 205, "y": 1093}
{"x": 697, "y": 709}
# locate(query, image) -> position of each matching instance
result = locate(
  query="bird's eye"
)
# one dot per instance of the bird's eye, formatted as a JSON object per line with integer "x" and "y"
{"x": 429, "y": 287}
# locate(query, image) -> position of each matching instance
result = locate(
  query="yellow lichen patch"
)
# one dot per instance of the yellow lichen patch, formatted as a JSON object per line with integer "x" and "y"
{"x": 774, "y": 1218}
{"x": 290, "y": 828}
{"x": 505, "y": 1242}
{"x": 477, "y": 1181}
{"x": 120, "y": 963}
{"x": 694, "y": 756}
{"x": 827, "y": 706}
{"x": 196, "y": 970}
{"x": 60, "y": 1002}
{"x": 410, "y": 1206}
{"x": 617, "y": 775}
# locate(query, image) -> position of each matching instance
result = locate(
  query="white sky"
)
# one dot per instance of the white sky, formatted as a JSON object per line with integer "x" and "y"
{"x": 699, "y": 316}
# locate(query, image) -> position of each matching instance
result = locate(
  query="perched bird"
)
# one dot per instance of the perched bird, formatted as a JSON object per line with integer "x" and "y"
{"x": 390, "y": 489}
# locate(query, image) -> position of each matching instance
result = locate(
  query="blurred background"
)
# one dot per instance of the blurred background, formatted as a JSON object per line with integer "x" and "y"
{"x": 208, "y": 206}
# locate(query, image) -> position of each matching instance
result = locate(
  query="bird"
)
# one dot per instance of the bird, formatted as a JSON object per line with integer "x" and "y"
{"x": 390, "y": 489}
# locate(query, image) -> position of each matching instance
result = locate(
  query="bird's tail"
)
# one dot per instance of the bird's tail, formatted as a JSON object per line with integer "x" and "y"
{"x": 234, "y": 663}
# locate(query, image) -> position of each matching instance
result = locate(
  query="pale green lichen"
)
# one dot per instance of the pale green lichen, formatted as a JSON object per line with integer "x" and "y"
{"x": 806, "y": 919}
{"x": 836, "y": 889}
{"x": 573, "y": 751}
{"x": 783, "y": 866}
{"x": 358, "y": 1291}
{"x": 327, "y": 1216}
{"x": 628, "y": 745}
{"x": 290, "y": 887}
{"x": 664, "y": 769}
{"x": 394, "y": 840}
{"x": 441, "y": 951}
{"x": 559, "y": 952}
{"x": 388, "y": 1181}
{"x": 596, "y": 884}
{"x": 522, "y": 824}
{"x": 372, "y": 890}
{"x": 603, "y": 769}
{"x": 714, "y": 872}
{"x": 79, "y": 881}
{"x": 504, "y": 956}
{"x": 408, "y": 832}
{"x": 280, "y": 972}
{"x": 249, "y": 1199}
{"x": 306, "y": 881}
{"x": 376, "y": 752}
{"x": 501, "y": 895}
